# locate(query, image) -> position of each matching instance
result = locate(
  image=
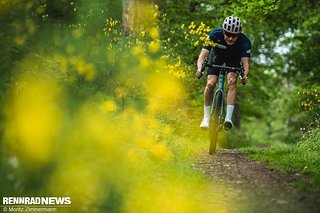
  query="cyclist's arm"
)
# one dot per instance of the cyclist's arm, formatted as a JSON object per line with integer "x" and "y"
{"x": 246, "y": 67}
{"x": 203, "y": 55}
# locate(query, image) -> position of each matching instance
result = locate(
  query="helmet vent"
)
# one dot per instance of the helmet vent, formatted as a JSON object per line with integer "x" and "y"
{"x": 232, "y": 25}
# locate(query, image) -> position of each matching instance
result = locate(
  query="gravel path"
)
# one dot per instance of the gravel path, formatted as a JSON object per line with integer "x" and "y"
{"x": 240, "y": 184}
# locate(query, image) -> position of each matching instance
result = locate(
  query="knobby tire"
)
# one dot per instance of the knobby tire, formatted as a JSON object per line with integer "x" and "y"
{"x": 214, "y": 123}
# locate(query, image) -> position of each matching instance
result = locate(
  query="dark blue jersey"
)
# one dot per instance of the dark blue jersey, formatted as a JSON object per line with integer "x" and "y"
{"x": 241, "y": 48}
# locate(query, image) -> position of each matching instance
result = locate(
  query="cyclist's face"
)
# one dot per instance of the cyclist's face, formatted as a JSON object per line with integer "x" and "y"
{"x": 230, "y": 38}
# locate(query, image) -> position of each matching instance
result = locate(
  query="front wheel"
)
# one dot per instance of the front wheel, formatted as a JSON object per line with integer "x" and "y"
{"x": 214, "y": 123}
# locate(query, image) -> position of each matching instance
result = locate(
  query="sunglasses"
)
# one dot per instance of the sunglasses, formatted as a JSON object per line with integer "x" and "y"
{"x": 233, "y": 35}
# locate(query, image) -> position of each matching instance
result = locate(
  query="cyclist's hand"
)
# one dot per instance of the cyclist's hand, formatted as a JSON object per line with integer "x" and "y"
{"x": 244, "y": 80}
{"x": 199, "y": 74}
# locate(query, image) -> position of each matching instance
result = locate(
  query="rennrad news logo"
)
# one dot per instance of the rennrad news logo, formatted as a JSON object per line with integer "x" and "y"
{"x": 36, "y": 201}
{"x": 34, "y": 204}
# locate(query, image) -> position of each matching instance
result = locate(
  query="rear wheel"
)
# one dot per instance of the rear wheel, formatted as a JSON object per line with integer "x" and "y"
{"x": 214, "y": 123}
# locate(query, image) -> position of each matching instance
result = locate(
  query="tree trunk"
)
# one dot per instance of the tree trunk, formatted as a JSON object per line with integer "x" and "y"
{"x": 127, "y": 16}
{"x": 131, "y": 14}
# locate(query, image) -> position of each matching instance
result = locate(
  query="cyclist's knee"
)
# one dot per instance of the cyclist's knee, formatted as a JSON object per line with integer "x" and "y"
{"x": 210, "y": 85}
{"x": 232, "y": 81}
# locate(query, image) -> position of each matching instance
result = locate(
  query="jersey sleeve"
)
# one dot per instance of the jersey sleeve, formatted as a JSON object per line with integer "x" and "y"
{"x": 246, "y": 50}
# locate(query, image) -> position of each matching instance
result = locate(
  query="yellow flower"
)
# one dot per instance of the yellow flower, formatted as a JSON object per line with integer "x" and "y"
{"x": 83, "y": 68}
{"x": 160, "y": 151}
{"x": 154, "y": 33}
{"x": 166, "y": 131}
{"x": 137, "y": 50}
{"x": 144, "y": 62}
{"x": 36, "y": 116}
{"x": 138, "y": 41}
{"x": 155, "y": 15}
{"x": 109, "y": 106}
{"x": 20, "y": 40}
{"x": 154, "y": 46}
{"x": 40, "y": 10}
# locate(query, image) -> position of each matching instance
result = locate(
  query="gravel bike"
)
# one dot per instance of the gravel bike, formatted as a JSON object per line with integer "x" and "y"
{"x": 217, "y": 114}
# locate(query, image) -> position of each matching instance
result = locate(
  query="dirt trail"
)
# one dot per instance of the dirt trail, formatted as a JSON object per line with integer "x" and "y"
{"x": 242, "y": 185}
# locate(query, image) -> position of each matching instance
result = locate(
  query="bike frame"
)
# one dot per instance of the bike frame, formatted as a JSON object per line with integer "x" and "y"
{"x": 222, "y": 76}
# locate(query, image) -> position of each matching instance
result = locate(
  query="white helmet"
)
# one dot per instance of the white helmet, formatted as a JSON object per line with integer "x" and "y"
{"x": 232, "y": 25}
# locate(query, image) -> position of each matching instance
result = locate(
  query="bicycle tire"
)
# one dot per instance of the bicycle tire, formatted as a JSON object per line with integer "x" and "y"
{"x": 214, "y": 123}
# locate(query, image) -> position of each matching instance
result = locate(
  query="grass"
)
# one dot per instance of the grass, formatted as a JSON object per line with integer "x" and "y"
{"x": 303, "y": 157}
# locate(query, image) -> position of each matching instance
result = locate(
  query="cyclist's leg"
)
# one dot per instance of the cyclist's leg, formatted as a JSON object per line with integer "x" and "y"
{"x": 231, "y": 98}
{"x": 208, "y": 91}
{"x": 232, "y": 88}
{"x": 212, "y": 79}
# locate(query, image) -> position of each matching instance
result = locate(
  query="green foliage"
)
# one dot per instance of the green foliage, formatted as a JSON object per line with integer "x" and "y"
{"x": 295, "y": 38}
{"x": 303, "y": 111}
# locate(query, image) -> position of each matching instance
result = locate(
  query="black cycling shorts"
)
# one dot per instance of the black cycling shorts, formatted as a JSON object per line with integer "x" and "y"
{"x": 229, "y": 63}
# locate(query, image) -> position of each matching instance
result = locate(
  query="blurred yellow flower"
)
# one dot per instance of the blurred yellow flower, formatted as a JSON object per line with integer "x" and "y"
{"x": 154, "y": 33}
{"x": 109, "y": 106}
{"x": 160, "y": 151}
{"x": 155, "y": 15}
{"x": 166, "y": 131}
{"x": 20, "y": 40}
{"x": 40, "y": 10}
{"x": 154, "y": 46}
{"x": 83, "y": 68}
{"x": 138, "y": 50}
{"x": 36, "y": 117}
{"x": 138, "y": 42}
{"x": 143, "y": 33}
{"x": 163, "y": 91}
{"x": 70, "y": 175}
{"x": 145, "y": 62}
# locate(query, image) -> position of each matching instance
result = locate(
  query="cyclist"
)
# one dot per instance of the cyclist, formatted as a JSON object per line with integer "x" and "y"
{"x": 237, "y": 50}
